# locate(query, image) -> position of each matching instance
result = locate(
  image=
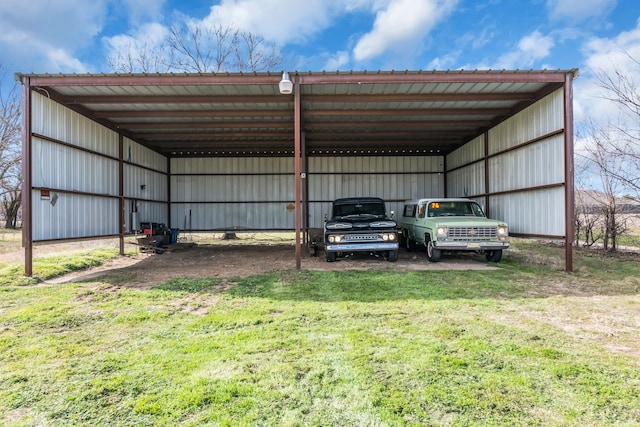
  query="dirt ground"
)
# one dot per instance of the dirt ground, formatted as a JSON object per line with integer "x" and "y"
{"x": 242, "y": 258}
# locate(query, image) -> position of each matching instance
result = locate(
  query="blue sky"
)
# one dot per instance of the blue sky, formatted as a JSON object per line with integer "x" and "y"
{"x": 77, "y": 36}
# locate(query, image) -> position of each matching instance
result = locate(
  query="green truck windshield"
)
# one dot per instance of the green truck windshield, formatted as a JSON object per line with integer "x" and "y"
{"x": 454, "y": 209}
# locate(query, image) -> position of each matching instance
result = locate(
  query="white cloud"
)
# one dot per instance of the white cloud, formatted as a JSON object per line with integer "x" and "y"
{"x": 280, "y": 21}
{"x": 531, "y": 48}
{"x": 65, "y": 60}
{"x": 401, "y": 26}
{"x": 52, "y": 35}
{"x": 68, "y": 22}
{"x": 444, "y": 62}
{"x": 138, "y": 11}
{"x": 152, "y": 34}
{"x": 44, "y": 35}
{"x": 337, "y": 61}
{"x": 575, "y": 11}
{"x": 141, "y": 49}
{"x": 605, "y": 56}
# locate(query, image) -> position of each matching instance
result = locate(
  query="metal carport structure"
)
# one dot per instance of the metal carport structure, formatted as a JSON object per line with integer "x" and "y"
{"x": 108, "y": 142}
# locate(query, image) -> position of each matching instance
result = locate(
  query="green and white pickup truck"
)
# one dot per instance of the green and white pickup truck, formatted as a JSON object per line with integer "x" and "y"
{"x": 442, "y": 225}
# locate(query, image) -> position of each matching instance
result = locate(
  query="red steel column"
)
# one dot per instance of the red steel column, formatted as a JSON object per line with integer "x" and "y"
{"x": 568, "y": 172}
{"x": 487, "y": 184}
{"x": 121, "y": 208}
{"x": 297, "y": 143}
{"x": 27, "y": 214}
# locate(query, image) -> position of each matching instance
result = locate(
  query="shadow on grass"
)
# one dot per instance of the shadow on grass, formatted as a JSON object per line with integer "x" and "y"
{"x": 521, "y": 274}
{"x": 527, "y": 271}
{"x": 189, "y": 285}
{"x": 512, "y": 282}
{"x": 373, "y": 286}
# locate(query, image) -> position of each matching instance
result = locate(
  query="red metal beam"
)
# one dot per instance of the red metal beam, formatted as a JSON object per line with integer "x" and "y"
{"x": 272, "y": 79}
{"x": 407, "y": 112}
{"x": 172, "y": 99}
{"x": 569, "y": 172}
{"x": 462, "y": 76}
{"x": 421, "y": 97}
{"x": 27, "y": 180}
{"x": 121, "y": 201}
{"x": 137, "y": 126}
{"x": 297, "y": 150}
{"x": 211, "y": 114}
{"x": 156, "y": 79}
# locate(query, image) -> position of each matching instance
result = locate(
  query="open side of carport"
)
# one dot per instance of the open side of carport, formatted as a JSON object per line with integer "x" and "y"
{"x": 229, "y": 152}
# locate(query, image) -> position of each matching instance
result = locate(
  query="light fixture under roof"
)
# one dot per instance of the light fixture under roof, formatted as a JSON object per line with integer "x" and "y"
{"x": 286, "y": 85}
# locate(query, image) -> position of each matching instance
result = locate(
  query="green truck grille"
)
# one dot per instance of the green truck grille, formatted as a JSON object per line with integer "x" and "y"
{"x": 473, "y": 233}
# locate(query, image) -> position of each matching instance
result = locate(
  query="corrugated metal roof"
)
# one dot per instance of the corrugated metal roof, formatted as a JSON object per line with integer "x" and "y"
{"x": 244, "y": 114}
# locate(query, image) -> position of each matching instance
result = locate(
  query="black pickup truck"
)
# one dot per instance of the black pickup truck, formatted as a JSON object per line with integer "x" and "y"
{"x": 360, "y": 224}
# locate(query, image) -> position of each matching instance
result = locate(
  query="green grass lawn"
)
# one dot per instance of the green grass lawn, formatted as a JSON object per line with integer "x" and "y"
{"x": 522, "y": 345}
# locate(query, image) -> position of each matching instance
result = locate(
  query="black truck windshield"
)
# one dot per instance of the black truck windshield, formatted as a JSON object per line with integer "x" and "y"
{"x": 376, "y": 209}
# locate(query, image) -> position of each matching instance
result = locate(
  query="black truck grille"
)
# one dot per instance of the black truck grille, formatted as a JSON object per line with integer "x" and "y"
{"x": 361, "y": 237}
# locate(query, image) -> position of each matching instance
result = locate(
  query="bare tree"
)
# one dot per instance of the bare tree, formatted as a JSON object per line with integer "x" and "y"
{"x": 253, "y": 53}
{"x": 612, "y": 154}
{"x": 145, "y": 58}
{"x": 192, "y": 48}
{"x": 603, "y": 207}
{"x": 202, "y": 50}
{"x": 10, "y": 153}
{"x": 588, "y": 219}
{"x": 623, "y": 140}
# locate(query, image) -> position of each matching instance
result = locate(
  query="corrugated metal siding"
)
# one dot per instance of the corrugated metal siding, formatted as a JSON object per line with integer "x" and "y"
{"x": 61, "y": 167}
{"x": 531, "y": 176}
{"x": 232, "y": 165}
{"x": 395, "y": 179}
{"x": 146, "y": 211}
{"x": 64, "y": 168}
{"x": 540, "y": 164}
{"x": 533, "y": 212}
{"x": 73, "y": 216}
{"x": 394, "y": 189}
{"x": 232, "y": 193}
{"x": 232, "y": 188}
{"x": 151, "y": 212}
{"x": 542, "y": 118}
{"x": 140, "y": 155}
{"x": 400, "y": 164}
{"x": 468, "y": 177}
{"x": 155, "y": 184}
{"x": 468, "y": 153}
{"x": 241, "y": 193}
{"x": 68, "y": 171}
{"x": 232, "y": 216}
{"x": 467, "y": 181}
{"x": 58, "y": 122}
{"x": 254, "y": 193}
{"x": 144, "y": 167}
{"x": 533, "y": 165}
